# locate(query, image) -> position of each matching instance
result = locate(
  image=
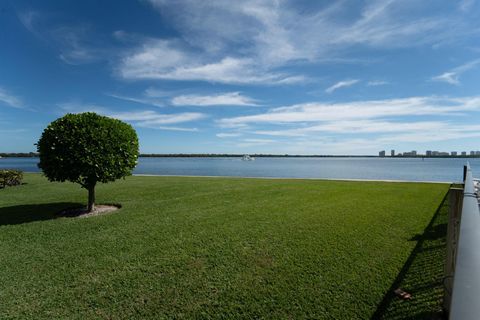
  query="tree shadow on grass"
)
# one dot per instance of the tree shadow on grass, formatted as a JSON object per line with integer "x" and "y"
{"x": 421, "y": 276}
{"x": 33, "y": 212}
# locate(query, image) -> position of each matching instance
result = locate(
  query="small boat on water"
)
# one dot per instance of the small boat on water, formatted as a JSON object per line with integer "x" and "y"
{"x": 246, "y": 157}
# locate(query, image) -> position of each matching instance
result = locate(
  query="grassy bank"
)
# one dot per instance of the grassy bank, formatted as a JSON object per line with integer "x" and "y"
{"x": 213, "y": 248}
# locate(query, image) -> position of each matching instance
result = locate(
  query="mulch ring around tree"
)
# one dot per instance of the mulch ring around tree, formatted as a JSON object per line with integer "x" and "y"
{"x": 83, "y": 213}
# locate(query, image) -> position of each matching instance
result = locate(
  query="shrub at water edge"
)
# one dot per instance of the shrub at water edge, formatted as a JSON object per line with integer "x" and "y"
{"x": 10, "y": 178}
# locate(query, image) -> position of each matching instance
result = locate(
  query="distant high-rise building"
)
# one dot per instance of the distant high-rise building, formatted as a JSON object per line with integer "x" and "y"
{"x": 464, "y": 153}
{"x": 414, "y": 153}
{"x": 392, "y": 153}
{"x": 472, "y": 153}
{"x": 428, "y": 153}
{"x": 381, "y": 153}
{"x": 477, "y": 153}
{"x": 453, "y": 153}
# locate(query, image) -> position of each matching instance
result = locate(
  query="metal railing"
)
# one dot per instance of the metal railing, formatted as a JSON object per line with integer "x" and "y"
{"x": 465, "y": 295}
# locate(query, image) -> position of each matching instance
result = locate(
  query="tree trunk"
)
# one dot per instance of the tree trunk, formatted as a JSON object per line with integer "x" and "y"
{"x": 91, "y": 198}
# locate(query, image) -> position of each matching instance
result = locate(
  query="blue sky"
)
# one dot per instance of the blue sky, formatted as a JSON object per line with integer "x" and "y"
{"x": 296, "y": 77}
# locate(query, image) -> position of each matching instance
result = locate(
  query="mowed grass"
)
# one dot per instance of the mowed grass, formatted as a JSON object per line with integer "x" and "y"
{"x": 220, "y": 248}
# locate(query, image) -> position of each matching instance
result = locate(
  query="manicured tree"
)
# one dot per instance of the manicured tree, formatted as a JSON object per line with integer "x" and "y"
{"x": 87, "y": 148}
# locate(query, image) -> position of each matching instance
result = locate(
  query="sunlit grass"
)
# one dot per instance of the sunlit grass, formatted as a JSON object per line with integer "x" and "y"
{"x": 210, "y": 248}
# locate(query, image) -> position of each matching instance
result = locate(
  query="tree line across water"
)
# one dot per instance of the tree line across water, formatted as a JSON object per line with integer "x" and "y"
{"x": 229, "y": 155}
{"x": 205, "y": 155}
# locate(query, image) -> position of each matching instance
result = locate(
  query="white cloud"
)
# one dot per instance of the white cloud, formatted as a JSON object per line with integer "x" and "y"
{"x": 10, "y": 100}
{"x": 358, "y": 126}
{"x": 380, "y": 25}
{"x": 453, "y": 76}
{"x": 423, "y": 136}
{"x": 358, "y": 143}
{"x": 250, "y": 42}
{"x": 448, "y": 77}
{"x": 283, "y": 133}
{"x": 156, "y": 93}
{"x": 152, "y": 60}
{"x": 346, "y": 144}
{"x": 223, "y": 99}
{"x": 151, "y": 97}
{"x": 144, "y": 118}
{"x": 375, "y": 83}
{"x": 169, "y": 128}
{"x": 154, "y": 118}
{"x": 228, "y": 135}
{"x": 147, "y": 101}
{"x": 259, "y": 140}
{"x": 369, "y": 124}
{"x": 341, "y": 84}
{"x": 161, "y": 59}
{"x": 279, "y": 31}
{"x": 314, "y": 112}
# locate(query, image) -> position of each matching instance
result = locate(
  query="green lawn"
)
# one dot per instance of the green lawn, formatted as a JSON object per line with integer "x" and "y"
{"x": 221, "y": 248}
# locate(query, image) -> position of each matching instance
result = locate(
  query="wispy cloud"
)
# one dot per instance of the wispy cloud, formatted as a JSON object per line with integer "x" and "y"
{"x": 374, "y": 109}
{"x": 448, "y": 77}
{"x": 152, "y": 92}
{"x": 146, "y": 101}
{"x": 251, "y": 42}
{"x": 8, "y": 99}
{"x": 341, "y": 84}
{"x": 29, "y": 19}
{"x": 453, "y": 76}
{"x": 370, "y": 124}
{"x": 169, "y": 128}
{"x": 380, "y": 26}
{"x": 376, "y": 83}
{"x": 280, "y": 31}
{"x": 161, "y": 98}
{"x": 145, "y": 118}
{"x": 422, "y": 136}
{"x": 362, "y": 142}
{"x": 149, "y": 117}
{"x": 222, "y": 99}
{"x": 346, "y": 144}
{"x": 466, "y": 5}
{"x": 162, "y": 59}
{"x": 228, "y": 134}
{"x": 358, "y": 126}
{"x": 74, "y": 43}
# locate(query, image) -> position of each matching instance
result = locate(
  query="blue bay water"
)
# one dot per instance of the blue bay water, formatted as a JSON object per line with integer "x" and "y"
{"x": 414, "y": 169}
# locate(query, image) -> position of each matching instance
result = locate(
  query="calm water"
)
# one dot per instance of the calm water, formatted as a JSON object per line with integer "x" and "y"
{"x": 333, "y": 168}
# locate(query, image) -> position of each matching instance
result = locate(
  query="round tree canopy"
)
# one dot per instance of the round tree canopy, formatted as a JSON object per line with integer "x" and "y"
{"x": 87, "y": 148}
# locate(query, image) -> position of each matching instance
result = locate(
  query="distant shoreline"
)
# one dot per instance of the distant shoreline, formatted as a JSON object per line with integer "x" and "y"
{"x": 219, "y": 155}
